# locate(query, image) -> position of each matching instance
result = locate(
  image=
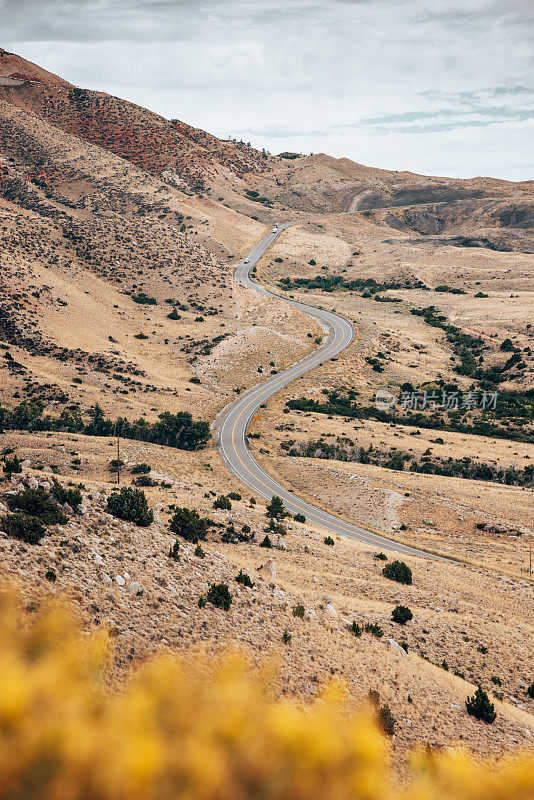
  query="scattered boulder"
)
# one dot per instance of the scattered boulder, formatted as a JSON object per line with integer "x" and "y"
{"x": 396, "y": 648}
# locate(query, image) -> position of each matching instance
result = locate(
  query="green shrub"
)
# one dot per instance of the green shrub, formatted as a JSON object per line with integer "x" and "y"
{"x": 202, "y": 601}
{"x": 144, "y": 299}
{"x": 299, "y": 518}
{"x": 244, "y": 579}
{"x": 275, "y": 509}
{"x": 174, "y": 551}
{"x": 21, "y": 526}
{"x": 266, "y": 542}
{"x": 328, "y": 540}
{"x": 71, "y": 496}
{"x": 386, "y": 720}
{"x": 530, "y": 690}
{"x": 144, "y": 480}
{"x": 234, "y": 496}
{"x": 374, "y": 629}
{"x": 219, "y": 595}
{"x": 141, "y": 469}
{"x": 12, "y": 465}
{"x": 480, "y": 707}
{"x": 384, "y": 717}
{"x": 356, "y": 629}
{"x": 50, "y": 575}
{"x": 37, "y": 503}
{"x": 286, "y": 637}
{"x": 130, "y": 505}
{"x": 398, "y": 571}
{"x": 401, "y": 615}
{"x": 299, "y": 610}
{"x": 199, "y": 552}
{"x": 222, "y": 502}
{"x": 188, "y": 524}
{"x": 381, "y": 556}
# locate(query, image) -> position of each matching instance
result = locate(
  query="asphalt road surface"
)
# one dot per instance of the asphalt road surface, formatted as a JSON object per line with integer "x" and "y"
{"x": 233, "y": 421}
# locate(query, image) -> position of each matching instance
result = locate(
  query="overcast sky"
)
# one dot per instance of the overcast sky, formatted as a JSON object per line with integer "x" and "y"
{"x": 442, "y": 87}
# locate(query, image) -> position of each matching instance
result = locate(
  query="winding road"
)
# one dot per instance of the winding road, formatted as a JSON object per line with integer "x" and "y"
{"x": 233, "y": 421}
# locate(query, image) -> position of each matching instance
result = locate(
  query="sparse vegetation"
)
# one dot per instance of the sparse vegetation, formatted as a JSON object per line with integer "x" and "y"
{"x": 329, "y": 541}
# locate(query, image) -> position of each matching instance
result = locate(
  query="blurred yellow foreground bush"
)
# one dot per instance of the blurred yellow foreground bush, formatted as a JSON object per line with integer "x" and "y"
{"x": 176, "y": 732}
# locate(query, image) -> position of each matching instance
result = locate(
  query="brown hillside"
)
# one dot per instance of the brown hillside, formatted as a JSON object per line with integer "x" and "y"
{"x": 182, "y": 155}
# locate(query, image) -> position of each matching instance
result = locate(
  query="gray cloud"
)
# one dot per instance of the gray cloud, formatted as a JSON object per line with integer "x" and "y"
{"x": 392, "y": 83}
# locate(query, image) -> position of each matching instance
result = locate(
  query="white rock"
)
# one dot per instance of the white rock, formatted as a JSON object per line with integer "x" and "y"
{"x": 46, "y": 485}
{"x": 315, "y": 579}
{"x": 395, "y": 646}
{"x": 81, "y": 510}
{"x": 67, "y": 509}
{"x": 331, "y": 610}
{"x": 32, "y": 483}
{"x": 98, "y": 559}
{"x": 135, "y": 587}
{"x": 106, "y": 579}
{"x": 3, "y": 508}
{"x": 26, "y": 464}
{"x": 269, "y": 567}
{"x": 119, "y": 580}
{"x": 126, "y": 576}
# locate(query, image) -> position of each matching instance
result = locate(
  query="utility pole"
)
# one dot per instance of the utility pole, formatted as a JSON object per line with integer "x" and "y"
{"x": 117, "y": 431}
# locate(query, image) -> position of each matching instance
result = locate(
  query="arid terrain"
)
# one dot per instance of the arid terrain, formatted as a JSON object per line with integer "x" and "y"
{"x": 119, "y": 230}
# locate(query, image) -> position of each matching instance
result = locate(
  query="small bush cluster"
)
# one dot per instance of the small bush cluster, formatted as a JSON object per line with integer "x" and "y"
{"x": 188, "y": 524}
{"x": 398, "y": 571}
{"x": 384, "y": 717}
{"x": 37, "y": 503}
{"x": 223, "y": 502}
{"x": 480, "y": 706}
{"x": 219, "y": 595}
{"x": 12, "y": 466}
{"x": 329, "y": 541}
{"x": 401, "y": 615}
{"x": 73, "y": 497}
{"x": 374, "y": 629}
{"x": 131, "y": 505}
{"x": 244, "y": 579}
{"x": 24, "y": 527}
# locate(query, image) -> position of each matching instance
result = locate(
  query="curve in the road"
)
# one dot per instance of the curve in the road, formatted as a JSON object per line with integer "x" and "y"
{"x": 233, "y": 421}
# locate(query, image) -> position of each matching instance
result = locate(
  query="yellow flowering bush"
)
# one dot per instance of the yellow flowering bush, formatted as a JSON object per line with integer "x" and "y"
{"x": 174, "y": 731}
